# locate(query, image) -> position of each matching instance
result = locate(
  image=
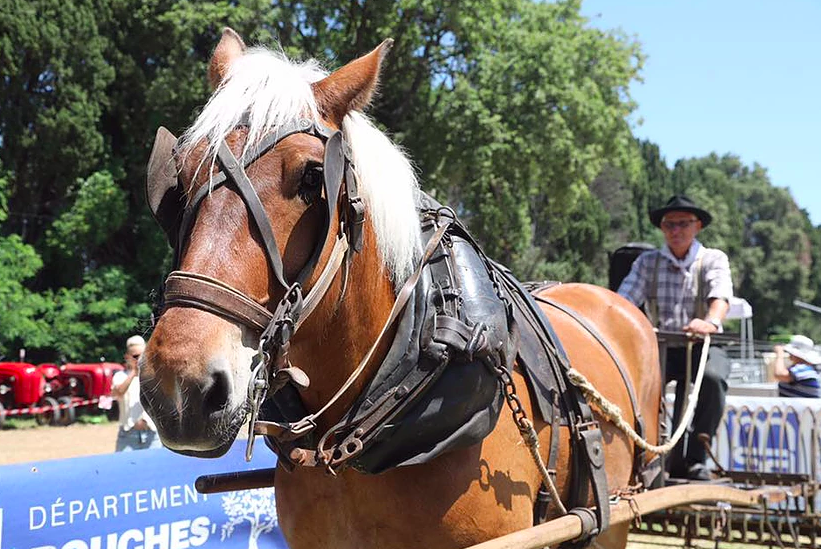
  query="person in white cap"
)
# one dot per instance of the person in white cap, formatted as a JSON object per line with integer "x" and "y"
{"x": 794, "y": 368}
{"x": 137, "y": 431}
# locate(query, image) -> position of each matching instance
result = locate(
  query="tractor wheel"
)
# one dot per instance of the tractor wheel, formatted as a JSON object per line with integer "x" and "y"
{"x": 67, "y": 414}
{"x": 2, "y": 415}
{"x": 48, "y": 417}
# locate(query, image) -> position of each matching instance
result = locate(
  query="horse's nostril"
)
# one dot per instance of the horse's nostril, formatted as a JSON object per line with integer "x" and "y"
{"x": 217, "y": 396}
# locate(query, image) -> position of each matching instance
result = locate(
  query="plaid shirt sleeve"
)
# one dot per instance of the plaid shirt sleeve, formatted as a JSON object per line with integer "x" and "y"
{"x": 717, "y": 276}
{"x": 634, "y": 285}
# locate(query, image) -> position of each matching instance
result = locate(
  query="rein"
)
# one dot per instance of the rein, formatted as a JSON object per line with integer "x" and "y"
{"x": 271, "y": 368}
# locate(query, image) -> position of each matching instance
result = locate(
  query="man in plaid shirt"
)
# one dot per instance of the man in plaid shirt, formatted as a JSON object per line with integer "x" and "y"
{"x": 685, "y": 286}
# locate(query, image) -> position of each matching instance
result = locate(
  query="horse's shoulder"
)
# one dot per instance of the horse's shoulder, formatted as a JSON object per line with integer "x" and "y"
{"x": 603, "y": 309}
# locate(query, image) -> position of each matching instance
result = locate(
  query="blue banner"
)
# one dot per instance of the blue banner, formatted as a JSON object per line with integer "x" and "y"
{"x": 764, "y": 440}
{"x": 134, "y": 500}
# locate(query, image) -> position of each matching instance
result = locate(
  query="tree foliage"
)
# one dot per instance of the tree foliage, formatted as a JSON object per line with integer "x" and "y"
{"x": 539, "y": 111}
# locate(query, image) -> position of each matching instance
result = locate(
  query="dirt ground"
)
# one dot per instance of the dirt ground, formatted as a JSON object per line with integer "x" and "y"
{"x": 44, "y": 442}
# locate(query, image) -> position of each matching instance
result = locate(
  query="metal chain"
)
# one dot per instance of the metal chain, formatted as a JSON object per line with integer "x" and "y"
{"x": 523, "y": 423}
{"x": 528, "y": 432}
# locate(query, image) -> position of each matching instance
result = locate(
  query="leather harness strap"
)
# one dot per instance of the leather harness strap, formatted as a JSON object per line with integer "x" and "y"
{"x": 588, "y": 455}
{"x": 625, "y": 376}
{"x": 540, "y": 507}
{"x": 187, "y": 289}
{"x": 211, "y": 295}
{"x": 233, "y": 171}
{"x": 341, "y": 452}
{"x": 184, "y": 288}
{"x": 255, "y": 207}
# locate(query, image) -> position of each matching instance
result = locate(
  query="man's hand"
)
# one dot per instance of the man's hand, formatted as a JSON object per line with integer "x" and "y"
{"x": 700, "y": 327}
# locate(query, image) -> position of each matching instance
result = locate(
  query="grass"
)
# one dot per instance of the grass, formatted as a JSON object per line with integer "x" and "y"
{"x": 20, "y": 423}
{"x": 96, "y": 419}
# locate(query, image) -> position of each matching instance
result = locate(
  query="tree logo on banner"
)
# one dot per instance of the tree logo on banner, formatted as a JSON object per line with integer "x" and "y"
{"x": 258, "y": 507}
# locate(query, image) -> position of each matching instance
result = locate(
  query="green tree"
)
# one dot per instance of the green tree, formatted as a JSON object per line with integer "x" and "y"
{"x": 21, "y": 324}
{"x": 90, "y": 322}
{"x": 98, "y": 210}
{"x": 775, "y": 262}
{"x": 537, "y": 113}
{"x": 52, "y": 97}
{"x": 516, "y": 112}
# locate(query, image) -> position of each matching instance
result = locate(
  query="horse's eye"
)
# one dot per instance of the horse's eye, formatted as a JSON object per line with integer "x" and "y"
{"x": 310, "y": 187}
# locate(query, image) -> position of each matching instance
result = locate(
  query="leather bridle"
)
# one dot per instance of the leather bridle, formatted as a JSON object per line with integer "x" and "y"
{"x": 271, "y": 368}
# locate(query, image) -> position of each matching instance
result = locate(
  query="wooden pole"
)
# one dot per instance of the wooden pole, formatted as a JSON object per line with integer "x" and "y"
{"x": 569, "y": 527}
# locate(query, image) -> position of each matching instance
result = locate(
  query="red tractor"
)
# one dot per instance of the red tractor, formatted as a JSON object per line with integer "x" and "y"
{"x": 84, "y": 385}
{"x": 25, "y": 391}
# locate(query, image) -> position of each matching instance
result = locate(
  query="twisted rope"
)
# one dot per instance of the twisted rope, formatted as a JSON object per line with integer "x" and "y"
{"x": 614, "y": 414}
{"x": 531, "y": 438}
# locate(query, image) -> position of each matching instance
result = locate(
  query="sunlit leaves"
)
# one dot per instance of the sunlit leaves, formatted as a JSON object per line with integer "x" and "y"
{"x": 98, "y": 210}
{"x": 538, "y": 112}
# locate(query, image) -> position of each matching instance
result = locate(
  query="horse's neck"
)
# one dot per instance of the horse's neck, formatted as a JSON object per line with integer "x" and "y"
{"x": 336, "y": 338}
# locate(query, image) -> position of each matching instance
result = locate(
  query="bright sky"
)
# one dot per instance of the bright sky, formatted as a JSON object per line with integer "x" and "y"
{"x": 730, "y": 76}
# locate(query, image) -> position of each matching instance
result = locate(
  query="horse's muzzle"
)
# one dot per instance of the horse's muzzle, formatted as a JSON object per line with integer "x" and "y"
{"x": 197, "y": 418}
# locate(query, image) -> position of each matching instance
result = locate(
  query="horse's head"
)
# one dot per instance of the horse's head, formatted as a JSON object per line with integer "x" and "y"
{"x": 256, "y": 203}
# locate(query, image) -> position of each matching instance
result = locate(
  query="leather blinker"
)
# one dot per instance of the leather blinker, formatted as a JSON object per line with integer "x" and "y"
{"x": 334, "y": 170}
{"x": 162, "y": 188}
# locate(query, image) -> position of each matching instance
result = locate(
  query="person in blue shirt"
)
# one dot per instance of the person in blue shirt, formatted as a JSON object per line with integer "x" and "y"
{"x": 795, "y": 368}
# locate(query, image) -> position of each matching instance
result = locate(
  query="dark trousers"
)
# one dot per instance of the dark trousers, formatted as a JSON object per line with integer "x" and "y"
{"x": 710, "y": 405}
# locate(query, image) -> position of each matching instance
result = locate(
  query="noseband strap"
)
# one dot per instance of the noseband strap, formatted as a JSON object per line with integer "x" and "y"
{"x": 187, "y": 289}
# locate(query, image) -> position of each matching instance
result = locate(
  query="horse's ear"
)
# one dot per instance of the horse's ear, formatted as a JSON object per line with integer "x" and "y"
{"x": 229, "y": 48}
{"x": 351, "y": 87}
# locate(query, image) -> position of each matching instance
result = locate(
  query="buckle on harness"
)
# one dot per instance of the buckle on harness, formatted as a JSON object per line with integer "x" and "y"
{"x": 582, "y": 426}
{"x": 356, "y": 217}
{"x": 592, "y": 438}
{"x": 286, "y": 315}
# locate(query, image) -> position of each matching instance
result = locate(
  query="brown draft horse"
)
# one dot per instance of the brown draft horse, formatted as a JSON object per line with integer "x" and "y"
{"x": 197, "y": 366}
